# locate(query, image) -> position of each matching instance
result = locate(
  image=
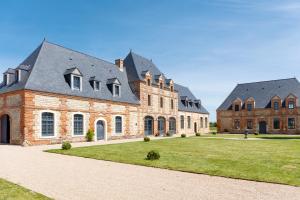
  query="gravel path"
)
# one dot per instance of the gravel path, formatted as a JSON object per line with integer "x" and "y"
{"x": 66, "y": 177}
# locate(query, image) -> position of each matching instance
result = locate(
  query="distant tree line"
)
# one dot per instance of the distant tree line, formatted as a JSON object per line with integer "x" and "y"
{"x": 213, "y": 124}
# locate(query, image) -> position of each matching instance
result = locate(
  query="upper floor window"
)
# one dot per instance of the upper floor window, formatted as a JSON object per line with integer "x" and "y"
{"x": 18, "y": 75}
{"x": 76, "y": 83}
{"x": 118, "y": 124}
{"x": 97, "y": 85}
{"x": 189, "y": 121}
{"x": 276, "y": 105}
{"x": 47, "y": 124}
{"x": 172, "y": 88}
{"x": 249, "y": 106}
{"x": 236, "y": 107}
{"x": 172, "y": 104}
{"x": 182, "y": 122}
{"x": 78, "y": 124}
{"x": 161, "y": 102}
{"x": 149, "y": 100}
{"x": 161, "y": 85}
{"x": 117, "y": 90}
{"x": 236, "y": 124}
{"x": 148, "y": 82}
{"x": 291, "y": 105}
{"x": 291, "y": 123}
{"x": 5, "y": 79}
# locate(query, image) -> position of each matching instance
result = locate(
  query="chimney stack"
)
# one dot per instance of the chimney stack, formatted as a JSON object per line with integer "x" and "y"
{"x": 119, "y": 63}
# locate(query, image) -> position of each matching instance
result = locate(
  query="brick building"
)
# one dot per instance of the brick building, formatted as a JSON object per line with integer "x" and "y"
{"x": 264, "y": 107}
{"x": 57, "y": 94}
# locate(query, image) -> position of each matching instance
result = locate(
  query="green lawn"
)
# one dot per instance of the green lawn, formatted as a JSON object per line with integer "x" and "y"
{"x": 10, "y": 191}
{"x": 270, "y": 160}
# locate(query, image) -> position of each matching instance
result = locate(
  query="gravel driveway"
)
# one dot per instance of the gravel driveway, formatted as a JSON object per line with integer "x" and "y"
{"x": 66, "y": 177}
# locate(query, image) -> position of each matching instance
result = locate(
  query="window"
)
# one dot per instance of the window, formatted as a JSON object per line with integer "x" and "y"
{"x": 172, "y": 125}
{"x": 78, "y": 125}
{"x": 149, "y": 100}
{"x": 189, "y": 121}
{"x": 148, "y": 82}
{"x": 182, "y": 122}
{"x": 118, "y": 124}
{"x": 236, "y": 107}
{"x": 276, "y": 105}
{"x": 5, "y": 79}
{"x": 47, "y": 124}
{"x": 172, "y": 88}
{"x": 206, "y": 122}
{"x": 236, "y": 124}
{"x": 249, "y": 124}
{"x": 117, "y": 90}
{"x": 201, "y": 122}
{"x": 161, "y": 102}
{"x": 97, "y": 85}
{"x": 18, "y": 75}
{"x": 276, "y": 123}
{"x": 249, "y": 106}
{"x": 291, "y": 123}
{"x": 160, "y": 85}
{"x": 172, "y": 104}
{"x": 76, "y": 82}
{"x": 291, "y": 105}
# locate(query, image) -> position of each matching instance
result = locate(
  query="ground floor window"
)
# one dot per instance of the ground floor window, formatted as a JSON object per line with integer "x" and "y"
{"x": 206, "y": 122}
{"x": 291, "y": 123}
{"x": 249, "y": 124}
{"x": 201, "y": 122}
{"x": 182, "y": 122}
{"x": 236, "y": 124}
{"x": 78, "y": 124}
{"x": 189, "y": 121}
{"x": 276, "y": 123}
{"x": 118, "y": 124}
{"x": 172, "y": 125}
{"x": 47, "y": 124}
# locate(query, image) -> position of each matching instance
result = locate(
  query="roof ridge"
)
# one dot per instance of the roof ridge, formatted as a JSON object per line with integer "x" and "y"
{"x": 268, "y": 81}
{"x": 85, "y": 54}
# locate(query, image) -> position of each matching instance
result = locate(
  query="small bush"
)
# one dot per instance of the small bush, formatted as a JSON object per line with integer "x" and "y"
{"x": 198, "y": 134}
{"x": 90, "y": 135}
{"x": 214, "y": 133}
{"x": 153, "y": 155}
{"x": 256, "y": 133}
{"x": 146, "y": 139}
{"x": 183, "y": 135}
{"x": 168, "y": 134}
{"x": 226, "y": 130}
{"x": 66, "y": 146}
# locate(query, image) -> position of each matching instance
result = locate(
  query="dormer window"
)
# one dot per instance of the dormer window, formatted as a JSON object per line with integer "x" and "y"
{"x": 172, "y": 88}
{"x": 276, "y": 105}
{"x": 148, "y": 82}
{"x": 18, "y": 75}
{"x": 76, "y": 82}
{"x": 114, "y": 86}
{"x": 6, "y": 79}
{"x": 249, "y": 106}
{"x": 117, "y": 90}
{"x": 291, "y": 105}
{"x": 161, "y": 85}
{"x": 236, "y": 107}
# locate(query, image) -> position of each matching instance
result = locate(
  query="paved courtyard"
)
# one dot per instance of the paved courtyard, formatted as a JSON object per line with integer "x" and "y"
{"x": 66, "y": 177}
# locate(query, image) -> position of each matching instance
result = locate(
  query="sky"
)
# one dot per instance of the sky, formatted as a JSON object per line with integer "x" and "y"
{"x": 208, "y": 45}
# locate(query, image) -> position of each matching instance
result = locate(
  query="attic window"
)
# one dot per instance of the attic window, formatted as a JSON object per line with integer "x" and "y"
{"x": 148, "y": 82}
{"x": 160, "y": 85}
{"x": 97, "y": 85}
{"x": 6, "y": 79}
{"x": 117, "y": 90}
{"x": 76, "y": 83}
{"x": 172, "y": 89}
{"x": 18, "y": 75}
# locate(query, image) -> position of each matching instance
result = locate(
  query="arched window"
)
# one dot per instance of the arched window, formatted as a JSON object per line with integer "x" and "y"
{"x": 189, "y": 121}
{"x": 182, "y": 122}
{"x": 78, "y": 124}
{"x": 172, "y": 125}
{"x": 47, "y": 124}
{"x": 118, "y": 124}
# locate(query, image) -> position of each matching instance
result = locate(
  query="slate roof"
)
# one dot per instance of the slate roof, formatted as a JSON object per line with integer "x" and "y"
{"x": 137, "y": 66}
{"x": 49, "y": 62}
{"x": 263, "y": 92}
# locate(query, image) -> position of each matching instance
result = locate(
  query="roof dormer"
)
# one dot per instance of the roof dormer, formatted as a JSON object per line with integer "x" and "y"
{"x": 74, "y": 78}
{"x": 291, "y": 101}
{"x": 114, "y": 85}
{"x": 9, "y": 76}
{"x": 96, "y": 84}
{"x": 197, "y": 103}
{"x": 237, "y": 104}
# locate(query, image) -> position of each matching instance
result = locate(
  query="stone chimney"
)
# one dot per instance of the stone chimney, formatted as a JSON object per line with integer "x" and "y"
{"x": 119, "y": 63}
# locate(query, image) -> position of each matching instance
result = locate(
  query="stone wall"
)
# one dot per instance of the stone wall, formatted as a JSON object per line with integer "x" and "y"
{"x": 195, "y": 126}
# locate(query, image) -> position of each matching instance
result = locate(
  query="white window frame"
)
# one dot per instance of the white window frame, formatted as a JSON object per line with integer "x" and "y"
{"x": 6, "y": 79}
{"x": 95, "y": 83}
{"x": 114, "y": 90}
{"x": 114, "y": 125}
{"x": 72, "y": 81}
{"x": 19, "y": 75}
{"x": 84, "y": 124}
{"x": 41, "y": 124}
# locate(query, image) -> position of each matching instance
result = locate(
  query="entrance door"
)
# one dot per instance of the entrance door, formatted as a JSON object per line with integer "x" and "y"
{"x": 100, "y": 130}
{"x": 161, "y": 126}
{"x": 262, "y": 127}
{"x": 195, "y": 127}
{"x": 148, "y": 126}
{"x": 5, "y": 129}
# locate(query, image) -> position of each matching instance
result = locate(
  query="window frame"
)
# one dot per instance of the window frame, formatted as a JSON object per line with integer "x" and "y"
{"x": 277, "y": 120}
{"x": 97, "y": 87}
{"x": 73, "y": 82}
{"x": 237, "y": 121}
{"x": 114, "y": 90}
{"x": 149, "y": 100}
{"x": 161, "y": 102}
{"x": 189, "y": 120}
{"x": 293, "y": 125}
{"x": 182, "y": 122}
{"x": 148, "y": 82}
{"x": 249, "y": 107}
{"x": 172, "y": 104}
{"x": 206, "y": 122}
{"x": 276, "y": 105}
{"x": 54, "y": 124}
{"x": 83, "y": 124}
{"x": 236, "y": 107}
{"x": 117, "y": 133}
{"x": 250, "y": 122}
{"x": 291, "y": 102}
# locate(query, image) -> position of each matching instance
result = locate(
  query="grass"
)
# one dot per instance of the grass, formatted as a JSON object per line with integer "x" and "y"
{"x": 11, "y": 191}
{"x": 271, "y": 160}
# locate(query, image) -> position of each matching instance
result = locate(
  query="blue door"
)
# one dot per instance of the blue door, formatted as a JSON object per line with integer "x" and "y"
{"x": 100, "y": 130}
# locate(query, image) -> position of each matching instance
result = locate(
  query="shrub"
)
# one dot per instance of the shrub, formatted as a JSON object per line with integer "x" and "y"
{"x": 168, "y": 134}
{"x": 90, "y": 135}
{"x": 66, "y": 146}
{"x": 153, "y": 155}
{"x": 214, "y": 133}
{"x": 198, "y": 134}
{"x": 146, "y": 139}
{"x": 226, "y": 130}
{"x": 256, "y": 133}
{"x": 183, "y": 135}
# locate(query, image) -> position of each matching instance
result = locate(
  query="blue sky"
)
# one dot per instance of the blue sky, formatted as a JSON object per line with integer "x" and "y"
{"x": 208, "y": 45}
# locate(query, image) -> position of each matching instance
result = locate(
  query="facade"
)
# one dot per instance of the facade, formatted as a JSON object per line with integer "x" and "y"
{"x": 263, "y": 107}
{"x": 58, "y": 94}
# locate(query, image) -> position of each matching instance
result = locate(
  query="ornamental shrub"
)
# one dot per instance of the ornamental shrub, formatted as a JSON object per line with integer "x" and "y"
{"x": 256, "y": 133}
{"x": 146, "y": 139}
{"x": 153, "y": 155}
{"x": 214, "y": 133}
{"x": 66, "y": 146}
{"x": 90, "y": 135}
{"x": 198, "y": 134}
{"x": 183, "y": 135}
